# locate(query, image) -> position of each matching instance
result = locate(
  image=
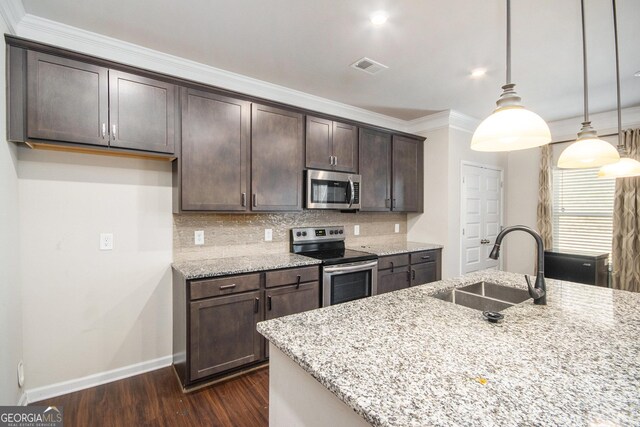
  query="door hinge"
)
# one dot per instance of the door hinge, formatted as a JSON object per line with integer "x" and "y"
{"x": 463, "y": 179}
{"x": 500, "y": 184}
{"x": 463, "y": 231}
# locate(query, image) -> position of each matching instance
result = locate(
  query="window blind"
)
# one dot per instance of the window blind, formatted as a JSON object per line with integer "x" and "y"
{"x": 582, "y": 211}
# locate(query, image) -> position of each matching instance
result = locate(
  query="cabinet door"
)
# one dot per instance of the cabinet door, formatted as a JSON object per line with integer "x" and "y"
{"x": 423, "y": 273}
{"x": 67, "y": 100}
{"x": 345, "y": 147}
{"x": 287, "y": 300}
{"x": 393, "y": 280}
{"x": 375, "y": 168}
{"x": 215, "y": 152}
{"x": 319, "y": 143}
{"x": 141, "y": 112}
{"x": 223, "y": 333}
{"x": 276, "y": 159}
{"x": 407, "y": 174}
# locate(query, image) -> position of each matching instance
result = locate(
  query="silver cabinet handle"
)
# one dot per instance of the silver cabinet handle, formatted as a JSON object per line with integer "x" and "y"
{"x": 223, "y": 287}
{"x": 335, "y": 160}
{"x": 586, "y": 264}
{"x": 339, "y": 269}
{"x": 104, "y": 130}
{"x": 330, "y": 160}
{"x": 244, "y": 199}
{"x": 255, "y": 200}
{"x": 113, "y": 131}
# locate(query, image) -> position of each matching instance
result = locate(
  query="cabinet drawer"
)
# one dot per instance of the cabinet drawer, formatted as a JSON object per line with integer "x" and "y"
{"x": 290, "y": 276}
{"x": 393, "y": 261}
{"x": 224, "y": 286}
{"x": 425, "y": 256}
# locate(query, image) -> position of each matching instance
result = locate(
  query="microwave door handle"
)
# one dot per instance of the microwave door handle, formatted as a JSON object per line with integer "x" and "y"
{"x": 339, "y": 269}
{"x": 353, "y": 192}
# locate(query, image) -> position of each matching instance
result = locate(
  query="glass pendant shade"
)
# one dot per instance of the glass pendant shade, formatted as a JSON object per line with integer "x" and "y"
{"x": 624, "y": 168}
{"x": 588, "y": 151}
{"x": 509, "y": 129}
{"x": 511, "y": 126}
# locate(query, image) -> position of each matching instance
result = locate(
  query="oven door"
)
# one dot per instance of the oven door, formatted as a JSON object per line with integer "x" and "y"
{"x": 332, "y": 190}
{"x": 348, "y": 282}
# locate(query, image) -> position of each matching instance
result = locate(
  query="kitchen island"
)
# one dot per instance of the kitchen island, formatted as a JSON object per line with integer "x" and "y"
{"x": 408, "y": 359}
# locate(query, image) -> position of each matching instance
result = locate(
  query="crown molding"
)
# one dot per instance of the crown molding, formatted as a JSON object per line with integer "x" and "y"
{"x": 605, "y": 122}
{"x": 58, "y": 34}
{"x": 450, "y": 119}
{"x": 12, "y": 12}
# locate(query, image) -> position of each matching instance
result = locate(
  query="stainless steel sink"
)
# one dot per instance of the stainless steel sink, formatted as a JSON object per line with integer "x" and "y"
{"x": 485, "y": 296}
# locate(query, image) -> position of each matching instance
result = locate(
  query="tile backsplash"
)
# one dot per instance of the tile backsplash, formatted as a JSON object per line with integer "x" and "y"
{"x": 228, "y": 235}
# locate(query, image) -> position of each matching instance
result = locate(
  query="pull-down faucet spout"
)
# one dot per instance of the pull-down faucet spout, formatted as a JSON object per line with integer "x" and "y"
{"x": 539, "y": 291}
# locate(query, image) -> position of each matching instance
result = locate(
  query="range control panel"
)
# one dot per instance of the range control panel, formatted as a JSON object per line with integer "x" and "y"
{"x": 317, "y": 234}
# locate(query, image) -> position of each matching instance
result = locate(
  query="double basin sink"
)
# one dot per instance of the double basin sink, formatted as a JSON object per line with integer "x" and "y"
{"x": 485, "y": 296}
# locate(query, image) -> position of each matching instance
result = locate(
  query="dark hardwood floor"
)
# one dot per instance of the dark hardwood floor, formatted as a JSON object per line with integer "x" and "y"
{"x": 155, "y": 399}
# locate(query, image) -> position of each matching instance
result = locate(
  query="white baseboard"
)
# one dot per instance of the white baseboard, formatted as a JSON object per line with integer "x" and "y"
{"x": 23, "y": 399}
{"x": 58, "y": 389}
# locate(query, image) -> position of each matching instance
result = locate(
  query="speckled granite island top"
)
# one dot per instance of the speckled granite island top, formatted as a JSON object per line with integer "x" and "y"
{"x": 395, "y": 248}
{"x": 408, "y": 359}
{"x": 236, "y": 265}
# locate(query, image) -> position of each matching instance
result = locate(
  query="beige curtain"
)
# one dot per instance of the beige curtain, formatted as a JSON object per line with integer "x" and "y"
{"x": 626, "y": 223}
{"x": 545, "y": 210}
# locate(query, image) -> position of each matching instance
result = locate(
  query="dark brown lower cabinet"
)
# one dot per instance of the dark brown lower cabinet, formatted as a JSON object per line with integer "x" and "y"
{"x": 214, "y": 319}
{"x": 426, "y": 266}
{"x": 393, "y": 280}
{"x": 223, "y": 333}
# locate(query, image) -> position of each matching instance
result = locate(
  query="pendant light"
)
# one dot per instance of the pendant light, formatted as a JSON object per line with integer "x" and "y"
{"x": 627, "y": 166}
{"x": 588, "y": 151}
{"x": 511, "y": 126}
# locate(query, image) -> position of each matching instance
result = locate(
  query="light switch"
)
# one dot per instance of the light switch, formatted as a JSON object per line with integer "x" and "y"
{"x": 106, "y": 241}
{"x": 268, "y": 234}
{"x": 356, "y": 230}
{"x": 397, "y": 228}
{"x": 198, "y": 237}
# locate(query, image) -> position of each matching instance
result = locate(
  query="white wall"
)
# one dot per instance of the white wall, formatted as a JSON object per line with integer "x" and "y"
{"x": 88, "y": 311}
{"x": 445, "y": 150}
{"x": 10, "y": 289}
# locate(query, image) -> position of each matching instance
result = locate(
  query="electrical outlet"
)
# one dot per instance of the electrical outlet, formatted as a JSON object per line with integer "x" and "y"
{"x": 268, "y": 234}
{"x": 397, "y": 228}
{"x": 198, "y": 237}
{"x": 356, "y": 230}
{"x": 106, "y": 241}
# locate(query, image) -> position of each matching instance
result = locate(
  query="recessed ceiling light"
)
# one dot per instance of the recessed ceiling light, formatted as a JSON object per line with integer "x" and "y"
{"x": 478, "y": 72}
{"x": 379, "y": 17}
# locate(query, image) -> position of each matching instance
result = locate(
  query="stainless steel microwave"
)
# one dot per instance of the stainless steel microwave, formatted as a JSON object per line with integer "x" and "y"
{"x": 332, "y": 190}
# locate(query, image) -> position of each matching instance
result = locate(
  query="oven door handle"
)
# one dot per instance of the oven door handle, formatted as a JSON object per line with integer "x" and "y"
{"x": 339, "y": 269}
{"x": 353, "y": 192}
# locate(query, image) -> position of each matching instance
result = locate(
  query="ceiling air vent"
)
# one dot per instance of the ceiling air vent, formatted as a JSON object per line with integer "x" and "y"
{"x": 369, "y": 65}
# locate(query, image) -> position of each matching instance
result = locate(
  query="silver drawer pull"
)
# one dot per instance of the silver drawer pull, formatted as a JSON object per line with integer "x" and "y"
{"x": 223, "y": 287}
{"x": 426, "y": 257}
{"x": 586, "y": 264}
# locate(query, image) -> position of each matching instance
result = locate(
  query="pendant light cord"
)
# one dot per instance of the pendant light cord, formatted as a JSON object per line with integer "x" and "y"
{"x": 615, "y": 38}
{"x": 584, "y": 65}
{"x": 508, "y": 41}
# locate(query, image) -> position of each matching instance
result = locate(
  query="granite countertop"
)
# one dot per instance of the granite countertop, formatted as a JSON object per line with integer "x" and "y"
{"x": 408, "y": 359}
{"x": 243, "y": 264}
{"x": 395, "y": 248}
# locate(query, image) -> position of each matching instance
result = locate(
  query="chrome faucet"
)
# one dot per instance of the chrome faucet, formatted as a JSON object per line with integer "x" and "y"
{"x": 539, "y": 291}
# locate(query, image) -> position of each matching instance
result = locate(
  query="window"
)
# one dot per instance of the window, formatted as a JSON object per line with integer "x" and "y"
{"x": 582, "y": 211}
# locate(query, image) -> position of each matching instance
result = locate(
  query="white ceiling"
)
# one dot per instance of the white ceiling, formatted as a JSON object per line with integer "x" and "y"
{"x": 430, "y": 47}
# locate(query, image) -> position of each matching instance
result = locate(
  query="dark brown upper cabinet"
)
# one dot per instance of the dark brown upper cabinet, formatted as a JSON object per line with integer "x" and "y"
{"x": 141, "y": 112}
{"x": 276, "y": 159}
{"x": 67, "y": 100}
{"x": 331, "y": 145}
{"x": 375, "y": 169}
{"x": 215, "y": 152}
{"x": 76, "y": 102}
{"x": 407, "y": 193}
{"x": 392, "y": 171}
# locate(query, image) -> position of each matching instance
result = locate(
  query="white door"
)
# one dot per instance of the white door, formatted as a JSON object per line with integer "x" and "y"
{"x": 481, "y": 216}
